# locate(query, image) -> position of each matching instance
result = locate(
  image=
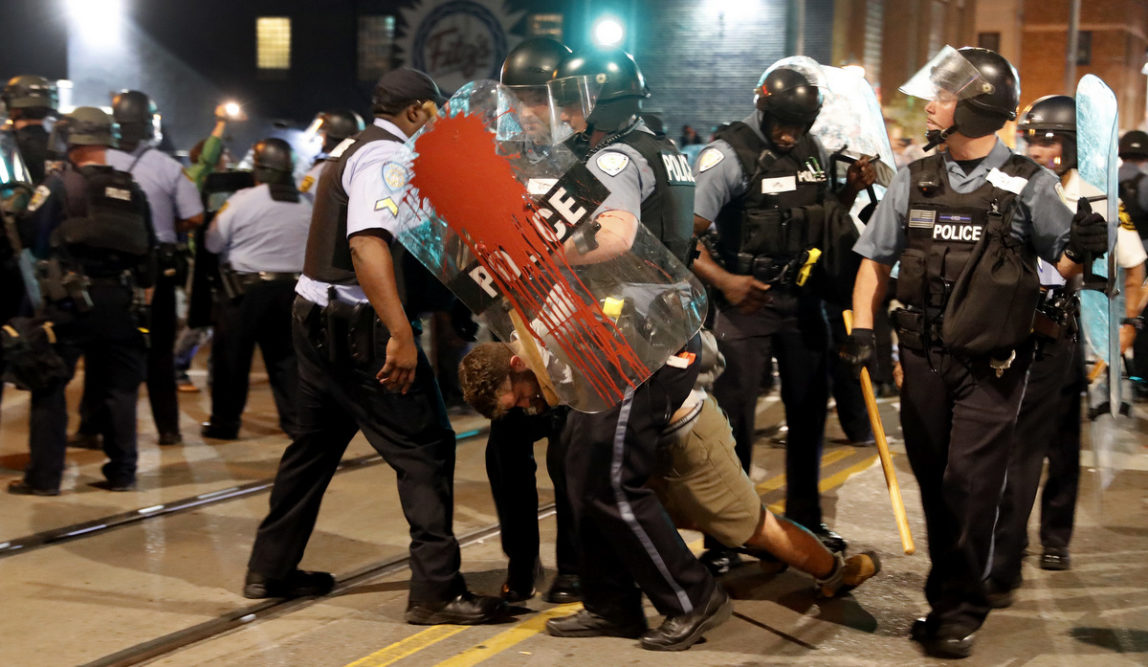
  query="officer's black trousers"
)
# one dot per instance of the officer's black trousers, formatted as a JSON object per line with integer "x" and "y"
{"x": 1048, "y": 427}
{"x": 161, "y": 389}
{"x": 624, "y": 535}
{"x": 410, "y": 431}
{"x": 114, "y": 358}
{"x": 802, "y": 362}
{"x": 511, "y": 468}
{"x": 959, "y": 420}
{"x": 262, "y": 315}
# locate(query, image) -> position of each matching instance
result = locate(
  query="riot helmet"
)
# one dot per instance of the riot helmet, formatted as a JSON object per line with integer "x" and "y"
{"x": 984, "y": 85}
{"x": 1134, "y": 145}
{"x": 527, "y": 70}
{"x": 790, "y": 91}
{"x": 85, "y": 126}
{"x": 596, "y": 90}
{"x": 1050, "y": 119}
{"x": 29, "y": 96}
{"x": 137, "y": 117}
{"x": 273, "y": 161}
{"x": 338, "y": 124}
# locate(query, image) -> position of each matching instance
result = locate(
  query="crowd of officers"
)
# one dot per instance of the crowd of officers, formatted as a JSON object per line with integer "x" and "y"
{"x": 308, "y": 271}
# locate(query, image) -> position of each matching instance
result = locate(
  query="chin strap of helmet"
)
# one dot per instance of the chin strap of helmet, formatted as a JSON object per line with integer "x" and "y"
{"x": 937, "y": 137}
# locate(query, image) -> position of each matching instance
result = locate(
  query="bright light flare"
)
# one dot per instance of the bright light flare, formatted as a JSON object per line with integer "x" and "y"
{"x": 232, "y": 109}
{"x": 608, "y": 32}
{"x": 96, "y": 21}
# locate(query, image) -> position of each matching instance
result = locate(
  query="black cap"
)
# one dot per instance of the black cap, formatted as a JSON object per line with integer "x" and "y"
{"x": 406, "y": 85}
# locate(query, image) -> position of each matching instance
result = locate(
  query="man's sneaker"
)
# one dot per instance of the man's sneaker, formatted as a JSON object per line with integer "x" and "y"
{"x": 829, "y": 538}
{"x": 466, "y": 609}
{"x": 585, "y": 623}
{"x": 678, "y": 633}
{"x": 849, "y": 573}
{"x": 299, "y": 583}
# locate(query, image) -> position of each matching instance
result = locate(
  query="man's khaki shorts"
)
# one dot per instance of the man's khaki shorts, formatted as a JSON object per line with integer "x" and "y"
{"x": 701, "y": 484}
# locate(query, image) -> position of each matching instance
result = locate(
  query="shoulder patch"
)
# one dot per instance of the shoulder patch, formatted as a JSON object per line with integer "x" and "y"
{"x": 223, "y": 208}
{"x": 612, "y": 162}
{"x": 305, "y": 185}
{"x": 1126, "y": 219}
{"x": 709, "y": 158}
{"x": 38, "y": 198}
{"x": 394, "y": 175}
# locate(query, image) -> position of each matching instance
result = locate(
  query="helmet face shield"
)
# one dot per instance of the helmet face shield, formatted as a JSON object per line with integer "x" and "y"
{"x": 948, "y": 76}
{"x": 531, "y": 105}
{"x": 572, "y": 99}
{"x": 12, "y": 169}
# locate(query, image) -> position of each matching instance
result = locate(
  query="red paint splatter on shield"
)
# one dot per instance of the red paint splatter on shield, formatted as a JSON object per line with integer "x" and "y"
{"x": 475, "y": 191}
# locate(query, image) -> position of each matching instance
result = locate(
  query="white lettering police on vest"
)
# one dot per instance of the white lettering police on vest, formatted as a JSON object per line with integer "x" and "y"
{"x": 949, "y": 232}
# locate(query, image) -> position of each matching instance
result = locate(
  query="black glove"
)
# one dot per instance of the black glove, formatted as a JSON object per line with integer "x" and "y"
{"x": 1089, "y": 235}
{"x": 857, "y": 351}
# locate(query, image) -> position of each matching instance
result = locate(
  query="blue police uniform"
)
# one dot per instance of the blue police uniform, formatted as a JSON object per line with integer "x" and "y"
{"x": 260, "y": 235}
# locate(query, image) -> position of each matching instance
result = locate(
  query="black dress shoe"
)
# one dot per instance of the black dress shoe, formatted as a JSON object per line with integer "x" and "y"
{"x": 678, "y": 633}
{"x": 565, "y": 589}
{"x": 19, "y": 487}
{"x": 169, "y": 438}
{"x": 299, "y": 583}
{"x": 218, "y": 431}
{"x": 466, "y": 609}
{"x": 720, "y": 560}
{"x": 85, "y": 441}
{"x": 586, "y": 623}
{"x": 109, "y": 485}
{"x": 1055, "y": 559}
{"x": 940, "y": 644}
{"x": 829, "y": 538}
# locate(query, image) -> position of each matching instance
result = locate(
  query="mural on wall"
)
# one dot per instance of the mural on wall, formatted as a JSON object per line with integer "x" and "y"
{"x": 458, "y": 41}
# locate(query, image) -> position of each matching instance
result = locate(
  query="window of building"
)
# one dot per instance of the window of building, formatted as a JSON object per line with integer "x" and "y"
{"x": 273, "y": 42}
{"x": 546, "y": 25}
{"x": 376, "y": 45}
{"x": 1084, "y": 47}
{"x": 989, "y": 40}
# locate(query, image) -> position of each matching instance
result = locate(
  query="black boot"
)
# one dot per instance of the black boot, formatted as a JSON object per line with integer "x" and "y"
{"x": 678, "y": 633}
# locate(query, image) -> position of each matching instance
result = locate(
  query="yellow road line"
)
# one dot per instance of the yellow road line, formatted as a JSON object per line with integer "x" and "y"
{"x": 830, "y": 458}
{"x": 836, "y": 479}
{"x": 504, "y": 640}
{"x": 408, "y": 646}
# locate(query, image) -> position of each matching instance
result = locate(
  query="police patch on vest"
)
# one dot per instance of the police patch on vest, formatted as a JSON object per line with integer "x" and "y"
{"x": 956, "y": 227}
{"x": 308, "y": 181}
{"x": 677, "y": 168}
{"x": 773, "y": 186}
{"x": 118, "y": 193}
{"x": 1013, "y": 184}
{"x": 612, "y": 163}
{"x": 709, "y": 158}
{"x": 921, "y": 219}
{"x": 394, "y": 175}
{"x": 38, "y": 198}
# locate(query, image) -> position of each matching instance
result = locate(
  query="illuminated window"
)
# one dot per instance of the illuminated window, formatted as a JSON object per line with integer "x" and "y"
{"x": 546, "y": 25}
{"x": 273, "y": 42}
{"x": 376, "y": 45}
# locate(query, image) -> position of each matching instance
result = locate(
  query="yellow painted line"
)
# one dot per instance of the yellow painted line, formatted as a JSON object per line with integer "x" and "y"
{"x": 836, "y": 479}
{"x": 504, "y": 640}
{"x": 832, "y": 457}
{"x": 409, "y": 646}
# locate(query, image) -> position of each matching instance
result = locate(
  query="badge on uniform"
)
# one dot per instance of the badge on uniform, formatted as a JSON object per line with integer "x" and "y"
{"x": 308, "y": 181}
{"x": 709, "y": 158}
{"x": 394, "y": 175}
{"x": 38, "y": 198}
{"x": 773, "y": 186}
{"x": 612, "y": 163}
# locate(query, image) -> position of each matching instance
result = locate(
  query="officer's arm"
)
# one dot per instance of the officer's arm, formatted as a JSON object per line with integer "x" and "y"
{"x": 615, "y": 236}
{"x": 869, "y": 292}
{"x": 1134, "y": 295}
{"x": 375, "y": 270}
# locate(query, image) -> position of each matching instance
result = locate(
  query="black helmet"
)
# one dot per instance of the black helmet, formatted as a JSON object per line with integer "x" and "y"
{"x": 29, "y": 91}
{"x": 609, "y": 80}
{"x": 790, "y": 91}
{"x": 338, "y": 124}
{"x": 137, "y": 117}
{"x": 87, "y": 126}
{"x": 273, "y": 161}
{"x": 986, "y": 112}
{"x": 532, "y": 62}
{"x": 1052, "y": 116}
{"x": 1134, "y": 144}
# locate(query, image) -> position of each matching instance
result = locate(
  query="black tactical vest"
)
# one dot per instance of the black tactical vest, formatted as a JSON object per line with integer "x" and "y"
{"x": 669, "y": 211}
{"x": 943, "y": 227}
{"x": 107, "y": 228}
{"x": 779, "y": 185}
{"x": 328, "y": 256}
{"x": 1130, "y": 195}
{"x": 33, "y": 143}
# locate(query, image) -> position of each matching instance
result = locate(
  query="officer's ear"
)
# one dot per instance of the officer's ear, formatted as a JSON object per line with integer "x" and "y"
{"x": 518, "y": 364}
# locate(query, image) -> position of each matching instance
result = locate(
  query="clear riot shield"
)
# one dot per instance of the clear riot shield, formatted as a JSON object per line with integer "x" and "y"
{"x": 16, "y": 183}
{"x": 605, "y": 304}
{"x": 1100, "y": 309}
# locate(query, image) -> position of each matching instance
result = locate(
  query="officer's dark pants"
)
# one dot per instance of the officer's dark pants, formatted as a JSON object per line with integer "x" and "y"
{"x": 959, "y": 420}
{"x": 161, "y": 389}
{"x": 1048, "y": 426}
{"x": 802, "y": 363}
{"x": 262, "y": 315}
{"x": 410, "y": 431}
{"x": 851, "y": 410}
{"x": 624, "y": 534}
{"x": 114, "y": 358}
{"x": 511, "y": 468}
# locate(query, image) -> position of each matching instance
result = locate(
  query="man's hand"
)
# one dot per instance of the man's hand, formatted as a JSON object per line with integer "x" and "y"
{"x": 860, "y": 175}
{"x": 398, "y": 372}
{"x": 1088, "y": 235}
{"x": 858, "y": 351}
{"x": 745, "y": 293}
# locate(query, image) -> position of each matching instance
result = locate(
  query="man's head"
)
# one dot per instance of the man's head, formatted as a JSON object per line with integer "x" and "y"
{"x": 408, "y": 98}
{"x": 527, "y": 70}
{"x": 789, "y": 97}
{"x": 273, "y": 162}
{"x": 596, "y": 91}
{"x": 137, "y": 117}
{"x": 1049, "y": 129}
{"x": 338, "y": 124}
{"x": 1134, "y": 147}
{"x": 495, "y": 380}
{"x": 29, "y": 97}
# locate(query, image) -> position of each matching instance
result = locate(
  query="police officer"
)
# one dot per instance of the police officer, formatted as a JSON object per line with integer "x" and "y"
{"x": 334, "y": 126}
{"x": 30, "y": 100}
{"x": 959, "y": 404}
{"x": 260, "y": 235}
{"x": 510, "y": 464}
{"x": 360, "y": 369}
{"x": 627, "y": 543}
{"x": 1048, "y": 425}
{"x": 759, "y": 183}
{"x": 89, "y": 224}
{"x": 1134, "y": 196}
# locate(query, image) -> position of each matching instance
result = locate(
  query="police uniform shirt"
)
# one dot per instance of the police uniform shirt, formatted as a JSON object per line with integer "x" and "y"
{"x": 373, "y": 203}
{"x": 171, "y": 195}
{"x": 1043, "y": 219}
{"x": 720, "y": 178}
{"x": 253, "y": 232}
{"x": 310, "y": 180}
{"x": 625, "y": 173}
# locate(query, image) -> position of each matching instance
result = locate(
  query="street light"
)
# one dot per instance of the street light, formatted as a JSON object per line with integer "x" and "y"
{"x": 608, "y": 32}
{"x": 97, "y": 21}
